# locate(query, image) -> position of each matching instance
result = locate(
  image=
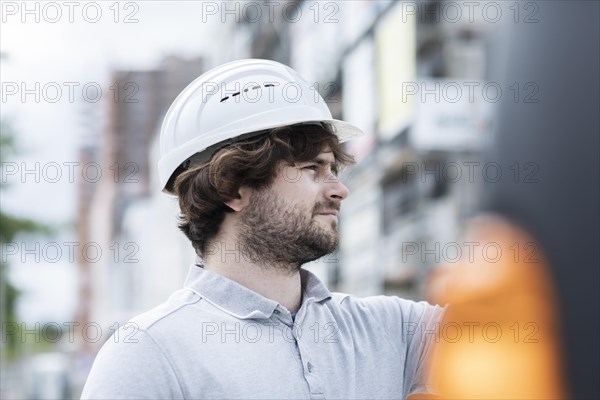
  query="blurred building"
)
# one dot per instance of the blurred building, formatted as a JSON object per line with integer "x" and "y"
{"x": 129, "y": 276}
{"x": 394, "y": 69}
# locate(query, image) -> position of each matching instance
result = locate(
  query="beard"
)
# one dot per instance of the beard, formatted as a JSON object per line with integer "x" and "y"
{"x": 275, "y": 233}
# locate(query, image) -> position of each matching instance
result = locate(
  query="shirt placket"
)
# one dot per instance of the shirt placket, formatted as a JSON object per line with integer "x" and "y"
{"x": 301, "y": 343}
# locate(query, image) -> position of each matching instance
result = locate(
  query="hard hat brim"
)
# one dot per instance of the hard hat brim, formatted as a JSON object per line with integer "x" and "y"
{"x": 343, "y": 130}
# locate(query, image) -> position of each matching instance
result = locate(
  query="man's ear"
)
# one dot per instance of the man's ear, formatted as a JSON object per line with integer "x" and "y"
{"x": 243, "y": 199}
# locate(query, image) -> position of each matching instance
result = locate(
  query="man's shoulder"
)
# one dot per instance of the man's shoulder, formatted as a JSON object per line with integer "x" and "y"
{"x": 350, "y": 300}
{"x": 172, "y": 310}
{"x": 383, "y": 306}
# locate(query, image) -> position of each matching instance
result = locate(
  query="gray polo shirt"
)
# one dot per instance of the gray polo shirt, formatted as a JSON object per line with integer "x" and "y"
{"x": 217, "y": 339}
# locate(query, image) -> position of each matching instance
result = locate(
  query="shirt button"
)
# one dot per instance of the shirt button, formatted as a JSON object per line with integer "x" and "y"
{"x": 276, "y": 311}
{"x": 310, "y": 367}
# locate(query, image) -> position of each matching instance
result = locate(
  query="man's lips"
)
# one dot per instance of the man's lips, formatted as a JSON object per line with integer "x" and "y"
{"x": 333, "y": 212}
{"x": 327, "y": 208}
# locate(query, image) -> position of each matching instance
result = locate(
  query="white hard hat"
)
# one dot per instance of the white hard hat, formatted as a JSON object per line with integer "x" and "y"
{"x": 231, "y": 102}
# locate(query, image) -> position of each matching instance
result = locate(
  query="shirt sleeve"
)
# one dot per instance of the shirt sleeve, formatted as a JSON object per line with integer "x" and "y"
{"x": 415, "y": 329}
{"x": 132, "y": 369}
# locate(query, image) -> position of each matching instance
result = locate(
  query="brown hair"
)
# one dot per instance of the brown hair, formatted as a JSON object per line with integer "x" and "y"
{"x": 203, "y": 189}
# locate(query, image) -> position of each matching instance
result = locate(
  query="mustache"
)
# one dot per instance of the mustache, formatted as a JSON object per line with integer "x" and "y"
{"x": 327, "y": 206}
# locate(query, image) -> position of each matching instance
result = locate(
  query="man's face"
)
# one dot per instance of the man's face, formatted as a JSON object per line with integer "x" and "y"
{"x": 294, "y": 220}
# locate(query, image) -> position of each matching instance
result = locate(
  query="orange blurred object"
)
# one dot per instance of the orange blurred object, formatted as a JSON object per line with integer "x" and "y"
{"x": 500, "y": 336}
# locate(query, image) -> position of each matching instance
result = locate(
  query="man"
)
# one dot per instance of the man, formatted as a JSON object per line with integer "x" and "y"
{"x": 255, "y": 172}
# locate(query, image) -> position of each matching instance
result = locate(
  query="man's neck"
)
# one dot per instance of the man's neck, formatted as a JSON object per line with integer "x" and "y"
{"x": 278, "y": 283}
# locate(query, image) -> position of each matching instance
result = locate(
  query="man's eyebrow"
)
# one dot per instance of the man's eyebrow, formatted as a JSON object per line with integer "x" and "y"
{"x": 322, "y": 161}
{"x": 319, "y": 160}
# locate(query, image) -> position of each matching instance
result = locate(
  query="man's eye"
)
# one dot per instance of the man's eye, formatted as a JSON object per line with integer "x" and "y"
{"x": 312, "y": 167}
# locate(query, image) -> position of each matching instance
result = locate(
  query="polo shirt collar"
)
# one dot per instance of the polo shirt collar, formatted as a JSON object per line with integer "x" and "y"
{"x": 241, "y": 302}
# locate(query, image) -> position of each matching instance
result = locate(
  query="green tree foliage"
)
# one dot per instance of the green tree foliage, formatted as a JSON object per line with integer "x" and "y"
{"x": 10, "y": 227}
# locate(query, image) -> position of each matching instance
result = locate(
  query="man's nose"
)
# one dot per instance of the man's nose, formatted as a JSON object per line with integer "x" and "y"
{"x": 335, "y": 189}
